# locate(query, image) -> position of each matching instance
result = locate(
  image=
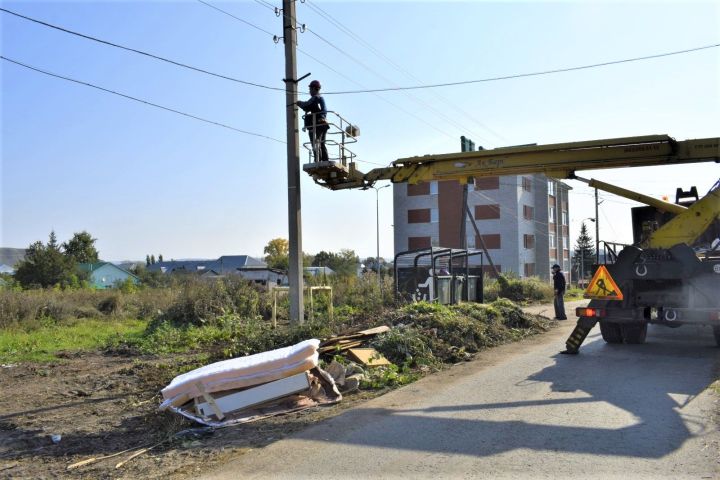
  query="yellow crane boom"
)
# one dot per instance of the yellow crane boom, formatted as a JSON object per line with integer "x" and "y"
{"x": 560, "y": 160}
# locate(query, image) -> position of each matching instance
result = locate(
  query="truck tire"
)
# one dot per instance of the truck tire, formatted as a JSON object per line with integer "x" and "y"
{"x": 716, "y": 332}
{"x": 611, "y": 332}
{"x": 634, "y": 333}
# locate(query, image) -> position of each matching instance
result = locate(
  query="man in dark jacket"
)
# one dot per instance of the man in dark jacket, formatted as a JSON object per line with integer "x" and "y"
{"x": 315, "y": 122}
{"x": 559, "y": 286}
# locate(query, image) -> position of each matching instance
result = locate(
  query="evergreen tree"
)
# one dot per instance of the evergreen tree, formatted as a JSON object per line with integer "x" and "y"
{"x": 152, "y": 259}
{"x": 584, "y": 254}
{"x": 160, "y": 258}
{"x": 45, "y": 266}
{"x": 147, "y": 260}
{"x": 81, "y": 248}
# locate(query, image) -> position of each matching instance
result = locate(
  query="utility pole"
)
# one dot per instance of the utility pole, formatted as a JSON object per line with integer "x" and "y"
{"x": 295, "y": 270}
{"x": 597, "y": 231}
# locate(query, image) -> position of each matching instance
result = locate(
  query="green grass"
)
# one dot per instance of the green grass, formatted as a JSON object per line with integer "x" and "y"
{"x": 43, "y": 343}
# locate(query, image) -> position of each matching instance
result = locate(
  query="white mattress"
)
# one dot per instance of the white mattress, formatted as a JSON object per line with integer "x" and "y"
{"x": 242, "y": 372}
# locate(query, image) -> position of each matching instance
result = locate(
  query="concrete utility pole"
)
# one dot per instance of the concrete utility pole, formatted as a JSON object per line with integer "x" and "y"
{"x": 295, "y": 271}
{"x": 597, "y": 231}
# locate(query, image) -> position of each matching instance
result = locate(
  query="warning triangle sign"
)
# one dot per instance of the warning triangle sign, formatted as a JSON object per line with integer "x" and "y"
{"x": 603, "y": 287}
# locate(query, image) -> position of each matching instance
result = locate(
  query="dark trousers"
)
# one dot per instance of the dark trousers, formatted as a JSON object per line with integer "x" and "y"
{"x": 317, "y": 139}
{"x": 559, "y": 305}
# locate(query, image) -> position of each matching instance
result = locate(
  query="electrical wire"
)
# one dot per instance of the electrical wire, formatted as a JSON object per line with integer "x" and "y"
{"x": 266, "y": 4}
{"x": 237, "y": 18}
{"x": 140, "y": 100}
{"x": 328, "y": 17}
{"x": 156, "y": 57}
{"x": 532, "y": 74}
{"x": 412, "y": 97}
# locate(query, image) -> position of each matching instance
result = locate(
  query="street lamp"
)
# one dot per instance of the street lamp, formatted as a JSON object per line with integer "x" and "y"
{"x": 582, "y": 254}
{"x": 377, "y": 233}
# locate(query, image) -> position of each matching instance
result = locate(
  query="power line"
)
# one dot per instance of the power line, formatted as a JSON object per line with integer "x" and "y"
{"x": 327, "y": 16}
{"x": 156, "y": 57}
{"x": 343, "y": 52}
{"x": 533, "y": 74}
{"x": 266, "y": 4}
{"x": 237, "y": 18}
{"x": 140, "y": 100}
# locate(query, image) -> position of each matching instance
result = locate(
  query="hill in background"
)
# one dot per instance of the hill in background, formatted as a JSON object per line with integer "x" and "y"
{"x": 10, "y": 256}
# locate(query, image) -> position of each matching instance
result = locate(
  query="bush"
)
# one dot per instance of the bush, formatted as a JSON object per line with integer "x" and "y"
{"x": 530, "y": 289}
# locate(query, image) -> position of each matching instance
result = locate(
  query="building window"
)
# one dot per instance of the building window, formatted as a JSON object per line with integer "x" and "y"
{"x": 526, "y": 184}
{"x": 488, "y": 269}
{"x": 418, "y": 189}
{"x": 419, "y": 215}
{"x": 529, "y": 241}
{"x": 487, "y": 183}
{"x": 487, "y": 212}
{"x": 564, "y": 216}
{"x": 551, "y": 187}
{"x": 528, "y": 212}
{"x": 418, "y": 242}
{"x": 434, "y": 215}
{"x": 492, "y": 241}
{"x": 529, "y": 269}
{"x": 566, "y": 243}
{"x": 566, "y": 265}
{"x": 551, "y": 240}
{"x": 551, "y": 214}
{"x": 433, "y": 187}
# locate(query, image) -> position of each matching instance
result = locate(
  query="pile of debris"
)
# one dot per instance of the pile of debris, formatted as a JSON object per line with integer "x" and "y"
{"x": 247, "y": 388}
{"x": 274, "y": 382}
{"x": 348, "y": 376}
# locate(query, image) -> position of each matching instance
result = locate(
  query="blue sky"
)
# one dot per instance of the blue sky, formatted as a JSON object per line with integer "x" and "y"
{"x": 143, "y": 180}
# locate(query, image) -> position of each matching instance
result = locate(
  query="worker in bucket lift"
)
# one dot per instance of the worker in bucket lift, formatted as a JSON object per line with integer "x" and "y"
{"x": 315, "y": 122}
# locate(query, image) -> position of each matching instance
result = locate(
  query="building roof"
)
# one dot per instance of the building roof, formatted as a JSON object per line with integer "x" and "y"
{"x": 223, "y": 265}
{"x": 91, "y": 267}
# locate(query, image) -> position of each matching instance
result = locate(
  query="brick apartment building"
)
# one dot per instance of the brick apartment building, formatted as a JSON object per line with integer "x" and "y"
{"x": 523, "y": 220}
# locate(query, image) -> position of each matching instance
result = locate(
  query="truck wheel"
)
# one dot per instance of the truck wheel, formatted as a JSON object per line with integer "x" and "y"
{"x": 716, "y": 332}
{"x": 611, "y": 332}
{"x": 634, "y": 333}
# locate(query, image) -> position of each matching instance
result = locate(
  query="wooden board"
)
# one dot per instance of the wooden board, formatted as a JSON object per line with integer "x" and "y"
{"x": 368, "y": 357}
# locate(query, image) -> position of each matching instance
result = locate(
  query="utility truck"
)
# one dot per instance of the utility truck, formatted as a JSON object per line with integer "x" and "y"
{"x": 670, "y": 275}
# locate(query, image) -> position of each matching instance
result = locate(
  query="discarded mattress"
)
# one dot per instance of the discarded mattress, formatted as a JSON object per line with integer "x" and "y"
{"x": 242, "y": 372}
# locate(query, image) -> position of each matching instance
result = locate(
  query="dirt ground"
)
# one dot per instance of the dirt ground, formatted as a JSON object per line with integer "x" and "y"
{"x": 104, "y": 404}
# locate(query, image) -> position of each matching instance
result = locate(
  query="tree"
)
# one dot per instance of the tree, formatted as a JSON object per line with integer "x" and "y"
{"x": 152, "y": 259}
{"x": 584, "y": 254}
{"x": 160, "y": 258}
{"x": 276, "y": 253}
{"x": 147, "y": 260}
{"x": 46, "y": 266}
{"x": 81, "y": 248}
{"x": 343, "y": 263}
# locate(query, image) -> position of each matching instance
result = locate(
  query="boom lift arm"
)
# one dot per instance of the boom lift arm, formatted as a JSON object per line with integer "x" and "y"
{"x": 559, "y": 160}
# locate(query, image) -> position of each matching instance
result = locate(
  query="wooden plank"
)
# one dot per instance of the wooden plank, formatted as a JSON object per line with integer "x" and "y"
{"x": 368, "y": 357}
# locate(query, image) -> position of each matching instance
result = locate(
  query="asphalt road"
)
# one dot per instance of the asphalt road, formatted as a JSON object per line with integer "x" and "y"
{"x": 524, "y": 411}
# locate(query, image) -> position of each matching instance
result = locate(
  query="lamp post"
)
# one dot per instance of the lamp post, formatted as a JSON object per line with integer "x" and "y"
{"x": 582, "y": 254}
{"x": 377, "y": 233}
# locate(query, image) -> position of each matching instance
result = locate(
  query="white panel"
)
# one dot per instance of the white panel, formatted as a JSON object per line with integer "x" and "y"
{"x": 256, "y": 395}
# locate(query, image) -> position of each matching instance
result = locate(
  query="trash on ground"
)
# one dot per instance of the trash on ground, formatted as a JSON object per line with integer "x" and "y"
{"x": 246, "y": 388}
{"x": 353, "y": 340}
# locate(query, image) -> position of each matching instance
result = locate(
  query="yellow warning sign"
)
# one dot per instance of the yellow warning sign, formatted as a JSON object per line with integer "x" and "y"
{"x": 603, "y": 287}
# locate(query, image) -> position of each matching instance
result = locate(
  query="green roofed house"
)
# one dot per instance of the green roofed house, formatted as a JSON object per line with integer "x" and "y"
{"x": 107, "y": 275}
